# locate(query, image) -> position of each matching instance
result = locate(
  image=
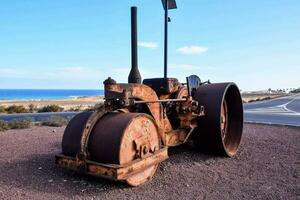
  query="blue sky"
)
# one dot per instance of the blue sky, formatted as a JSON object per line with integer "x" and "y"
{"x": 77, "y": 44}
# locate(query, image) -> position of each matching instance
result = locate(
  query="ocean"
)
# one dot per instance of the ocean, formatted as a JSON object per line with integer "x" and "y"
{"x": 39, "y": 94}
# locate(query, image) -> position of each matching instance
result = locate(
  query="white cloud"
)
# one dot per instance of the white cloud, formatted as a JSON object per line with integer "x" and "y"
{"x": 150, "y": 45}
{"x": 189, "y": 67}
{"x": 72, "y": 73}
{"x": 60, "y": 77}
{"x": 190, "y": 50}
{"x": 184, "y": 66}
{"x": 65, "y": 73}
{"x": 12, "y": 73}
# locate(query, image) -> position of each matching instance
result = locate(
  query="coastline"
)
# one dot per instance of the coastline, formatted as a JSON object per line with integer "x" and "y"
{"x": 84, "y": 102}
{"x": 81, "y": 103}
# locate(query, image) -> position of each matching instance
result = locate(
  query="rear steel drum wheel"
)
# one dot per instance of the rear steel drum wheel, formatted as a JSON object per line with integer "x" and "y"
{"x": 114, "y": 139}
{"x": 220, "y": 129}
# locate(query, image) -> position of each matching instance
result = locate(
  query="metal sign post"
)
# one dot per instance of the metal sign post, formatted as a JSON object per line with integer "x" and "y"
{"x": 167, "y": 4}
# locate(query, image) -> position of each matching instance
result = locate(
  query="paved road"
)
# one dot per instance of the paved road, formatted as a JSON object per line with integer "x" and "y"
{"x": 36, "y": 117}
{"x": 284, "y": 111}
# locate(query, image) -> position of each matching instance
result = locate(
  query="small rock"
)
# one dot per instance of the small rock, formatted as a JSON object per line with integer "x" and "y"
{"x": 40, "y": 168}
{"x": 82, "y": 182}
{"x": 197, "y": 164}
{"x": 65, "y": 180}
{"x": 54, "y": 131}
{"x": 50, "y": 180}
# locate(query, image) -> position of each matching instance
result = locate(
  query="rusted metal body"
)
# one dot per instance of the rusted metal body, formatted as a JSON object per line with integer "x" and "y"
{"x": 129, "y": 135}
{"x": 113, "y": 171}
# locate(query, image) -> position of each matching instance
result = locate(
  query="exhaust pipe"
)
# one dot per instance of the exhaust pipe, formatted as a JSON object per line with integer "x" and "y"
{"x": 134, "y": 75}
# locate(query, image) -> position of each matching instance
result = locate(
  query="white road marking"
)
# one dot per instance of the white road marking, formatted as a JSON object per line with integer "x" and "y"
{"x": 279, "y": 109}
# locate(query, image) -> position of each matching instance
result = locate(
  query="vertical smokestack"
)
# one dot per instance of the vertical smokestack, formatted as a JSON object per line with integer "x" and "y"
{"x": 134, "y": 75}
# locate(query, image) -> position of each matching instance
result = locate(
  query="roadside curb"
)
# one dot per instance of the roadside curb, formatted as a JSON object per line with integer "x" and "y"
{"x": 273, "y": 124}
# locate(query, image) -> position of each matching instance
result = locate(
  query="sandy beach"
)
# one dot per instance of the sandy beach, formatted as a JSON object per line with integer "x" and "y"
{"x": 68, "y": 104}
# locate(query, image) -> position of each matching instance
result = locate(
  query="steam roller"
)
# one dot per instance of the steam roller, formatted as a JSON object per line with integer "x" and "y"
{"x": 127, "y": 137}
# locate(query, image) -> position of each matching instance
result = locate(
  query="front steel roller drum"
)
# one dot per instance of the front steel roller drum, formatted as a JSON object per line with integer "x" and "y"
{"x": 112, "y": 140}
{"x": 220, "y": 129}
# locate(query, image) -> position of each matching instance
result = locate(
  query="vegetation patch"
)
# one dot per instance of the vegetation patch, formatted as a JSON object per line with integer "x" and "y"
{"x": 95, "y": 107}
{"x": 3, "y": 125}
{"x": 56, "y": 121}
{"x": 16, "y": 109}
{"x": 2, "y": 109}
{"x": 75, "y": 109}
{"x": 296, "y": 91}
{"x": 16, "y": 124}
{"x": 51, "y": 108}
{"x": 32, "y": 108}
{"x": 19, "y": 124}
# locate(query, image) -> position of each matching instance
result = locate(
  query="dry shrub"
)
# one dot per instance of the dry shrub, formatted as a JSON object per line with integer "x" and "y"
{"x": 56, "y": 121}
{"x": 51, "y": 108}
{"x": 2, "y": 109}
{"x": 3, "y": 125}
{"x": 75, "y": 109}
{"x": 32, "y": 108}
{"x": 16, "y": 109}
{"x": 266, "y": 98}
{"x": 19, "y": 124}
{"x": 95, "y": 107}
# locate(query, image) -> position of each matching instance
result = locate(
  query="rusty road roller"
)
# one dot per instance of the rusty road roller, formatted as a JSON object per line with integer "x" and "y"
{"x": 127, "y": 137}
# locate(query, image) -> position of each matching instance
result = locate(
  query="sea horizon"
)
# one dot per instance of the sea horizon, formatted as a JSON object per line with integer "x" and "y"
{"x": 45, "y": 94}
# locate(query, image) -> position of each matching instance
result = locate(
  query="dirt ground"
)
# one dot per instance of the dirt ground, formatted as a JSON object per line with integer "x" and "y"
{"x": 267, "y": 167}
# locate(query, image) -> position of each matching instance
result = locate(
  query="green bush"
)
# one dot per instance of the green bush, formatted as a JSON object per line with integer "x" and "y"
{"x": 16, "y": 109}
{"x": 3, "y": 125}
{"x": 51, "y": 108}
{"x": 19, "y": 124}
{"x": 56, "y": 121}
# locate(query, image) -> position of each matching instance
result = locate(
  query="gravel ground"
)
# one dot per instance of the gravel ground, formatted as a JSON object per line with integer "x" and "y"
{"x": 267, "y": 167}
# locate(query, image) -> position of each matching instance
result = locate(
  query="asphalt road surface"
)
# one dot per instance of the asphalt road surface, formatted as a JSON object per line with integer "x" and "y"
{"x": 36, "y": 117}
{"x": 282, "y": 111}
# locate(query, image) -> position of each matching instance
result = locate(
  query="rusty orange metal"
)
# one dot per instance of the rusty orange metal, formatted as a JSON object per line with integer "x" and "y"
{"x": 127, "y": 137}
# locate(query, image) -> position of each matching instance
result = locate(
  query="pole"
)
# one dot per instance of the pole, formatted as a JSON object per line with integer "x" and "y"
{"x": 166, "y": 41}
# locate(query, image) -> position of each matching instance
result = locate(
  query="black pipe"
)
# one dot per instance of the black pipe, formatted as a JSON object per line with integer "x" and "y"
{"x": 134, "y": 75}
{"x": 166, "y": 40}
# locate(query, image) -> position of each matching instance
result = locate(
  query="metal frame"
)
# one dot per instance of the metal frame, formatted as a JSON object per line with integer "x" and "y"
{"x": 111, "y": 171}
